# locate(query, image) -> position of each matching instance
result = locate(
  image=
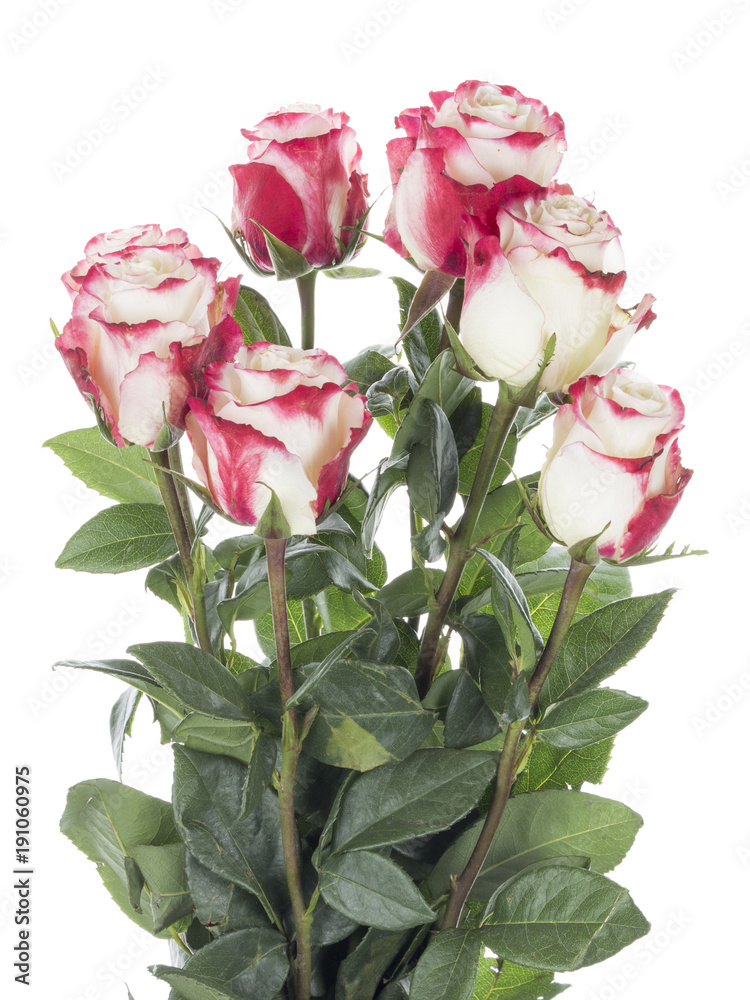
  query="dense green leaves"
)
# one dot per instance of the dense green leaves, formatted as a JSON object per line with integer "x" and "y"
{"x": 360, "y": 972}
{"x": 557, "y": 917}
{"x": 601, "y": 643}
{"x": 589, "y": 718}
{"x": 127, "y": 537}
{"x": 369, "y": 715}
{"x": 373, "y": 890}
{"x": 513, "y": 982}
{"x": 111, "y": 823}
{"x": 231, "y": 825}
{"x": 123, "y": 474}
{"x": 470, "y": 461}
{"x": 429, "y": 791}
{"x": 432, "y": 471}
{"x": 540, "y": 826}
{"x": 247, "y": 964}
{"x": 448, "y": 968}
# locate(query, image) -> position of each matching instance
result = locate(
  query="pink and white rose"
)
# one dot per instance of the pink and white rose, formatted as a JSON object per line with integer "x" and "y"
{"x": 614, "y": 465}
{"x": 302, "y": 183}
{"x": 276, "y": 418}
{"x": 476, "y": 145}
{"x": 138, "y": 338}
{"x": 546, "y": 273}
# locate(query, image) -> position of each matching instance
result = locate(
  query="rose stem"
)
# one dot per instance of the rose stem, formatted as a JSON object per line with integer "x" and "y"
{"x": 575, "y": 582}
{"x": 290, "y": 748}
{"x": 170, "y": 496}
{"x": 460, "y": 544}
{"x": 175, "y": 464}
{"x": 414, "y": 528}
{"x": 306, "y": 289}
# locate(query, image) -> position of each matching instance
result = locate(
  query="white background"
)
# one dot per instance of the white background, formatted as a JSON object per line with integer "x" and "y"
{"x": 655, "y": 97}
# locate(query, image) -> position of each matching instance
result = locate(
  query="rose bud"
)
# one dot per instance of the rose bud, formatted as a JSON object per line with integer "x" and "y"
{"x": 281, "y": 419}
{"x": 545, "y": 274}
{"x": 614, "y": 466}
{"x": 139, "y": 334}
{"x": 478, "y": 144}
{"x": 303, "y": 184}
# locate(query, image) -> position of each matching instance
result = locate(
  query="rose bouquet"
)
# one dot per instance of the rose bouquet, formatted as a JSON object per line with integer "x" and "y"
{"x": 386, "y": 799}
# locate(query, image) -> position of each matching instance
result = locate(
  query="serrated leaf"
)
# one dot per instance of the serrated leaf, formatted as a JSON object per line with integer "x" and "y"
{"x": 122, "y": 474}
{"x": 243, "y": 963}
{"x": 360, "y": 973}
{"x": 537, "y": 827}
{"x": 368, "y": 367}
{"x": 468, "y": 719}
{"x": 121, "y": 723}
{"x": 549, "y": 767}
{"x": 561, "y": 918}
{"x": 373, "y": 891}
{"x": 589, "y": 718}
{"x": 108, "y": 821}
{"x": 258, "y": 320}
{"x": 427, "y": 792}
{"x": 513, "y": 982}
{"x": 198, "y": 679}
{"x": 432, "y": 470}
{"x": 348, "y": 271}
{"x": 602, "y": 642}
{"x": 422, "y": 343}
{"x": 448, "y": 968}
{"x": 411, "y": 593}
{"x": 119, "y": 539}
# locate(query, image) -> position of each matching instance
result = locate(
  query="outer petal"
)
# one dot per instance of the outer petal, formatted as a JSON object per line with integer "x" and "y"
{"x": 238, "y": 464}
{"x": 502, "y": 327}
{"x": 262, "y": 195}
{"x": 155, "y": 386}
{"x": 620, "y": 334}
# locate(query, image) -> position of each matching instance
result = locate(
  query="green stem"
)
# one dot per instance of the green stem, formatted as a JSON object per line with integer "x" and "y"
{"x": 460, "y": 544}
{"x": 573, "y": 588}
{"x": 175, "y": 464}
{"x": 290, "y": 748}
{"x": 306, "y": 289}
{"x": 193, "y": 575}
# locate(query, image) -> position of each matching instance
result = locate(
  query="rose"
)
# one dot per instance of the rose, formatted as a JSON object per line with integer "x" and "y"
{"x": 139, "y": 334}
{"x": 538, "y": 284}
{"x": 614, "y": 466}
{"x": 303, "y": 184}
{"x": 281, "y": 419}
{"x": 478, "y": 144}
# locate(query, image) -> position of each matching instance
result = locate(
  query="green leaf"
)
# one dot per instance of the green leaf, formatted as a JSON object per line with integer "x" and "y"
{"x": 119, "y": 539}
{"x": 537, "y": 827}
{"x": 230, "y": 825}
{"x": 427, "y": 792}
{"x": 589, "y": 718}
{"x": 486, "y": 659}
{"x": 514, "y": 982}
{"x": 122, "y": 474}
{"x": 527, "y": 419}
{"x": 548, "y": 767}
{"x": 109, "y": 821}
{"x": 219, "y": 904}
{"x": 257, "y": 319}
{"x": 360, "y": 973}
{"x": 161, "y": 580}
{"x": 351, "y": 272}
{"x": 121, "y": 723}
{"x": 512, "y": 612}
{"x": 387, "y": 480}
{"x": 411, "y": 593}
{"x": 601, "y": 643}
{"x": 432, "y": 470}
{"x": 163, "y": 869}
{"x": 240, "y": 740}
{"x": 198, "y": 679}
{"x": 374, "y": 891}
{"x": 244, "y": 963}
{"x": 470, "y": 462}
{"x": 560, "y": 918}
{"x": 370, "y": 714}
{"x": 422, "y": 343}
{"x": 287, "y": 262}
{"x": 468, "y": 719}
{"x": 132, "y": 673}
{"x": 391, "y": 394}
{"x": 368, "y": 367}
{"x": 448, "y": 968}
